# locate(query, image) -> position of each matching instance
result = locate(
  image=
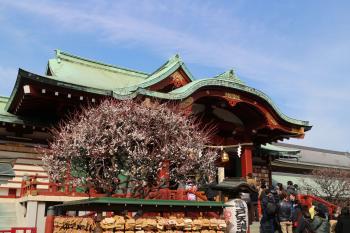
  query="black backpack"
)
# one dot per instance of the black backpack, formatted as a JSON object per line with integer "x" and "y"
{"x": 254, "y": 196}
{"x": 271, "y": 208}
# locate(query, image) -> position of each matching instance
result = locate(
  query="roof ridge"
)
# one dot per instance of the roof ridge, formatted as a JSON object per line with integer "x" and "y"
{"x": 59, "y": 53}
{"x": 316, "y": 149}
{"x": 175, "y": 58}
{"x": 230, "y": 75}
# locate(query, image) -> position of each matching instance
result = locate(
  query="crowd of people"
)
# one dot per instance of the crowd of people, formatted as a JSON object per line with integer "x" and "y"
{"x": 282, "y": 212}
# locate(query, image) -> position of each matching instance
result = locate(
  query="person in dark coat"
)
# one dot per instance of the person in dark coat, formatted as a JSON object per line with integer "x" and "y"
{"x": 269, "y": 210}
{"x": 343, "y": 224}
{"x": 298, "y": 219}
{"x": 284, "y": 214}
{"x": 319, "y": 223}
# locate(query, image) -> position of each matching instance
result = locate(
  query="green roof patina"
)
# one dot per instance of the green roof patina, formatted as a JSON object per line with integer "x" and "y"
{"x": 77, "y": 70}
{"x": 129, "y": 203}
{"x": 81, "y": 71}
{"x": 81, "y": 74}
{"x": 280, "y": 151}
{"x": 173, "y": 64}
{"x": 190, "y": 88}
{"x": 230, "y": 75}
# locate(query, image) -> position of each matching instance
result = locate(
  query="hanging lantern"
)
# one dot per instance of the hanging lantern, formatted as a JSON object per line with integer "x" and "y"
{"x": 224, "y": 156}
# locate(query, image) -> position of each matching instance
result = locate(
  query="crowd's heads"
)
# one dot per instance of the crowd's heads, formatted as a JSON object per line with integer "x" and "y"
{"x": 262, "y": 184}
{"x": 321, "y": 210}
{"x": 283, "y": 195}
{"x": 289, "y": 183}
{"x": 273, "y": 191}
{"x": 279, "y": 186}
{"x": 292, "y": 196}
{"x": 250, "y": 175}
{"x": 269, "y": 192}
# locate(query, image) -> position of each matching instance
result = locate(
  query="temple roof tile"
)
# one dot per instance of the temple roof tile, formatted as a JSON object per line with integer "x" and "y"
{"x": 76, "y": 70}
{"x": 81, "y": 74}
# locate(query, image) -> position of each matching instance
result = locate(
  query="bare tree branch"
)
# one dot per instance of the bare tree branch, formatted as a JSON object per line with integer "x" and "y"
{"x": 330, "y": 183}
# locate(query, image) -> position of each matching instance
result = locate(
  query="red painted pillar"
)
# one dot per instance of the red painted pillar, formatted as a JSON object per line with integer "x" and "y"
{"x": 247, "y": 160}
{"x": 50, "y": 217}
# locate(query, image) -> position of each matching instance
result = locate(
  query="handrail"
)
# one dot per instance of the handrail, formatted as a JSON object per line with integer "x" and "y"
{"x": 22, "y": 229}
{"x": 65, "y": 189}
{"x": 307, "y": 199}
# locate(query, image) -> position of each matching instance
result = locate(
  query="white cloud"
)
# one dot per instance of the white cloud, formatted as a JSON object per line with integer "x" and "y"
{"x": 118, "y": 23}
{"x": 308, "y": 80}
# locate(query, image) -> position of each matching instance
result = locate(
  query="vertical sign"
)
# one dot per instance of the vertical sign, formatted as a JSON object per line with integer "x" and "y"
{"x": 236, "y": 216}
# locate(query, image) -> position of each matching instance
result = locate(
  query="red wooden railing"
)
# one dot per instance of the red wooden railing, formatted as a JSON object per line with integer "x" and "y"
{"x": 309, "y": 199}
{"x": 20, "y": 230}
{"x": 55, "y": 189}
{"x": 65, "y": 189}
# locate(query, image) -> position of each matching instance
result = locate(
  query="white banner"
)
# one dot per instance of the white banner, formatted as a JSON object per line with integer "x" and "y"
{"x": 236, "y": 216}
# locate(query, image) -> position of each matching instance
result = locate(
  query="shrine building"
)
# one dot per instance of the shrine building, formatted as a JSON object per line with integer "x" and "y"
{"x": 246, "y": 119}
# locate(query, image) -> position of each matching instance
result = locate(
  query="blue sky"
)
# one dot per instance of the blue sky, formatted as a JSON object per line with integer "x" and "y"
{"x": 297, "y": 52}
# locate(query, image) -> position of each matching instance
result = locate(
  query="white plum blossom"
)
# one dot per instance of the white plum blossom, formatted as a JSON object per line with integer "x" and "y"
{"x": 106, "y": 144}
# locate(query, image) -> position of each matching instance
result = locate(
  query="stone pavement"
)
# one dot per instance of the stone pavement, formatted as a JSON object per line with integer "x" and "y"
{"x": 254, "y": 228}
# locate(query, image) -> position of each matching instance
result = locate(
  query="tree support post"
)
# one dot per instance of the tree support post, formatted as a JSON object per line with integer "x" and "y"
{"x": 50, "y": 217}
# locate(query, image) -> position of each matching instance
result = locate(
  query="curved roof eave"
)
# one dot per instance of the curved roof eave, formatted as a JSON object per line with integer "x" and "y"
{"x": 23, "y": 74}
{"x": 189, "y": 89}
{"x": 13, "y": 119}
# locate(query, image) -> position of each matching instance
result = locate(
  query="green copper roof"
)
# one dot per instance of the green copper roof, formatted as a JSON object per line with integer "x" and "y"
{"x": 3, "y": 102}
{"x": 173, "y": 64}
{"x": 277, "y": 150}
{"x": 190, "y": 88}
{"x": 81, "y": 74}
{"x": 6, "y": 116}
{"x": 230, "y": 75}
{"x": 76, "y": 70}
